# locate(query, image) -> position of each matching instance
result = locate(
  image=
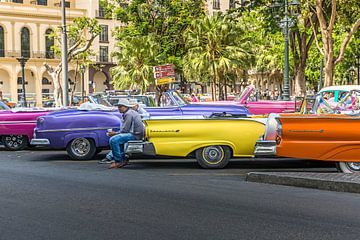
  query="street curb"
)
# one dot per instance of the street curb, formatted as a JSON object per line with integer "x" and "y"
{"x": 324, "y": 181}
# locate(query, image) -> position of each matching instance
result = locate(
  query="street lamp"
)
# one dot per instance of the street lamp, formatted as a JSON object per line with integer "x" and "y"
{"x": 82, "y": 82}
{"x": 22, "y": 61}
{"x": 285, "y": 24}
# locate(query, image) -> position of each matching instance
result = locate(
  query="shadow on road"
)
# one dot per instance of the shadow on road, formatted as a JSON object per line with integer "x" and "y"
{"x": 253, "y": 164}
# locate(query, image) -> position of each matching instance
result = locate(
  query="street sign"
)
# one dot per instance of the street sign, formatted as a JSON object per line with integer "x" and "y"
{"x": 164, "y": 74}
{"x": 164, "y": 68}
{"x": 158, "y": 75}
{"x": 164, "y": 80}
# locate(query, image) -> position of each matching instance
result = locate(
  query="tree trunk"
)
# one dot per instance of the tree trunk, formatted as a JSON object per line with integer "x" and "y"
{"x": 329, "y": 65}
{"x": 329, "y": 73}
{"x": 300, "y": 85}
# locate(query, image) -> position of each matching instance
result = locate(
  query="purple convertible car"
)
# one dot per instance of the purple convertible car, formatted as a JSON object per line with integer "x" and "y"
{"x": 83, "y": 133}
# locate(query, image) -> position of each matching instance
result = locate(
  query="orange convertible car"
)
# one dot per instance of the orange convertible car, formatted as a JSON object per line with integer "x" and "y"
{"x": 334, "y": 136}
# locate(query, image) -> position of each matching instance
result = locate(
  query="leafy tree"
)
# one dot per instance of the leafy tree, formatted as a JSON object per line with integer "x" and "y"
{"x": 81, "y": 34}
{"x": 336, "y": 18}
{"x": 136, "y": 57}
{"x": 215, "y": 48}
{"x": 166, "y": 20}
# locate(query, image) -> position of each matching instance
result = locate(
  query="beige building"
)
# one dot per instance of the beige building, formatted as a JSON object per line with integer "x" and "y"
{"x": 24, "y": 25}
{"x": 214, "y": 6}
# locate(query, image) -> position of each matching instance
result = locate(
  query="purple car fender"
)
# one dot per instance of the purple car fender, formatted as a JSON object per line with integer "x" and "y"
{"x": 57, "y": 130}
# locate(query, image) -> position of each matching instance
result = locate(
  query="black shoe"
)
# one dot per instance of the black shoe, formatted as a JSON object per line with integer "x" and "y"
{"x": 105, "y": 161}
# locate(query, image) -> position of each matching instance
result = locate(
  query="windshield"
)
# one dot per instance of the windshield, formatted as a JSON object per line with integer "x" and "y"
{"x": 3, "y": 106}
{"x": 242, "y": 94}
{"x": 179, "y": 99}
{"x": 99, "y": 99}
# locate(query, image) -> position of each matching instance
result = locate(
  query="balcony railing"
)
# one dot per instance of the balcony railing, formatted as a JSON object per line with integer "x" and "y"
{"x": 28, "y": 54}
{"x": 104, "y": 59}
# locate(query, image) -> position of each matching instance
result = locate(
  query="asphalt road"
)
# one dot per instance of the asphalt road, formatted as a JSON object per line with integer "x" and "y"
{"x": 43, "y": 195}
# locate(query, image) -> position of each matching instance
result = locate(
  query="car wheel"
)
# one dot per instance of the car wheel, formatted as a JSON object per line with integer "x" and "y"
{"x": 348, "y": 167}
{"x": 81, "y": 149}
{"x": 15, "y": 142}
{"x": 213, "y": 156}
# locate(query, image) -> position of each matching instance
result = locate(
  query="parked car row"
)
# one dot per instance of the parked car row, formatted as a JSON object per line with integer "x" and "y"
{"x": 212, "y": 132}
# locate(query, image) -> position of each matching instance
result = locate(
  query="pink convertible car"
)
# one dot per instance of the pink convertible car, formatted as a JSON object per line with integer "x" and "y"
{"x": 256, "y": 106}
{"x": 17, "y": 126}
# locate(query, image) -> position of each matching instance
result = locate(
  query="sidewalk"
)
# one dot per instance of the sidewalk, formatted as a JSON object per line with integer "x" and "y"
{"x": 340, "y": 182}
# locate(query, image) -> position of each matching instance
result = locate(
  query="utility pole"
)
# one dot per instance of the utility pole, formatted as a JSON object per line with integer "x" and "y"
{"x": 64, "y": 59}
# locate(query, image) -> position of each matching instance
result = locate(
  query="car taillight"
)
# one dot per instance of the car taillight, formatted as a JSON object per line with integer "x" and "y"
{"x": 271, "y": 127}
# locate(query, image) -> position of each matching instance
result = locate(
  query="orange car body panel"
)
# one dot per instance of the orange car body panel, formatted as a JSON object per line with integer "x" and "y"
{"x": 328, "y": 137}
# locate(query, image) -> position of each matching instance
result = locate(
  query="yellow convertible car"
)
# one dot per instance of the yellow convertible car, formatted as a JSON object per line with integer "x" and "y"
{"x": 213, "y": 140}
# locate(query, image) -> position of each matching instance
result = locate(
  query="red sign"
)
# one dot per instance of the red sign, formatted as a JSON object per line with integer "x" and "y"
{"x": 164, "y": 71}
{"x": 164, "y": 68}
{"x": 164, "y": 74}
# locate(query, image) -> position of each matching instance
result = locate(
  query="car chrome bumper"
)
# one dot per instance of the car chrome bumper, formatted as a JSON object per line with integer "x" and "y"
{"x": 140, "y": 147}
{"x": 265, "y": 148}
{"x": 42, "y": 142}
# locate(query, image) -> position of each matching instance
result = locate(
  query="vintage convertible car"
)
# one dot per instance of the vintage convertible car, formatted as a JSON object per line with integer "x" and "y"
{"x": 82, "y": 132}
{"x": 17, "y": 127}
{"x": 213, "y": 140}
{"x": 329, "y": 136}
{"x": 250, "y": 100}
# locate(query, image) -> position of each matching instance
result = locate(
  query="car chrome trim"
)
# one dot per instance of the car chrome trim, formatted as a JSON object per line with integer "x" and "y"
{"x": 265, "y": 148}
{"x": 73, "y": 129}
{"x": 17, "y": 122}
{"x": 306, "y": 131}
{"x": 40, "y": 141}
{"x": 140, "y": 147}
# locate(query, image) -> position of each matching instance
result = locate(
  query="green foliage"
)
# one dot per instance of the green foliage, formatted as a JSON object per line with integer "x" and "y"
{"x": 216, "y": 47}
{"x": 78, "y": 38}
{"x": 135, "y": 60}
{"x": 166, "y": 19}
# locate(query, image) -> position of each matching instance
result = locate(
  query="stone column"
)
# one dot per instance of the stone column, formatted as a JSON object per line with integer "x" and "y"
{"x": 13, "y": 83}
{"x": 38, "y": 85}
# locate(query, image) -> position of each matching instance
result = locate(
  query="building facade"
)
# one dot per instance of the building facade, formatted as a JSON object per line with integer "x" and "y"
{"x": 24, "y": 29}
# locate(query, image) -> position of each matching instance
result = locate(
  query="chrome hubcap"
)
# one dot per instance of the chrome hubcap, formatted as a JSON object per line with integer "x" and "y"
{"x": 14, "y": 141}
{"x": 354, "y": 166}
{"x": 213, "y": 154}
{"x": 80, "y": 146}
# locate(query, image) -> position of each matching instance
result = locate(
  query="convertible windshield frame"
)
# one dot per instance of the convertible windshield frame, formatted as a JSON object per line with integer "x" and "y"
{"x": 178, "y": 98}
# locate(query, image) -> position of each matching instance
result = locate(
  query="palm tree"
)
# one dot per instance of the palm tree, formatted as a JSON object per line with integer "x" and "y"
{"x": 215, "y": 47}
{"x": 135, "y": 60}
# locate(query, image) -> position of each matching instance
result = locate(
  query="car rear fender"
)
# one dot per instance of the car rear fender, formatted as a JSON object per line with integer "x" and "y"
{"x": 71, "y": 136}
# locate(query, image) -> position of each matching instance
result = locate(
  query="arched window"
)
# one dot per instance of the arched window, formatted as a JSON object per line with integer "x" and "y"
{"x": 25, "y": 42}
{"x": 49, "y": 43}
{"x": 45, "y": 81}
{"x": 2, "y": 42}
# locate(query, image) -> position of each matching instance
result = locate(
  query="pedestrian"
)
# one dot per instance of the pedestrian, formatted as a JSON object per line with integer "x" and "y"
{"x": 136, "y": 107}
{"x": 277, "y": 93}
{"x": 194, "y": 98}
{"x": 132, "y": 129}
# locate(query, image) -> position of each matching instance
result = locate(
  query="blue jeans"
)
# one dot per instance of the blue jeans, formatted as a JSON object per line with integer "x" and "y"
{"x": 117, "y": 143}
